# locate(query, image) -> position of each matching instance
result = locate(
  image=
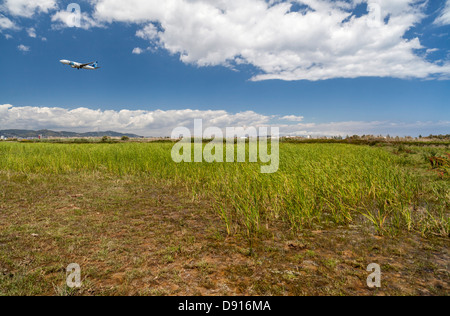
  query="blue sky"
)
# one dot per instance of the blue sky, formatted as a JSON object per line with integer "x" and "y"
{"x": 356, "y": 79}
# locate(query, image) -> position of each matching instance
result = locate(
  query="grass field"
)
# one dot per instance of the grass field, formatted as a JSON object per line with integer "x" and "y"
{"x": 138, "y": 223}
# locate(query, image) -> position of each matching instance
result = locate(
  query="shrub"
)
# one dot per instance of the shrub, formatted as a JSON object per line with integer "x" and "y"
{"x": 105, "y": 139}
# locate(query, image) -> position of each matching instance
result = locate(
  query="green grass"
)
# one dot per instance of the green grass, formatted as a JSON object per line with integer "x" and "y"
{"x": 317, "y": 184}
{"x": 139, "y": 224}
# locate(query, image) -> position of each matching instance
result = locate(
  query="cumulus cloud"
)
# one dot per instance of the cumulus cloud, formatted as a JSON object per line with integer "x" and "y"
{"x": 444, "y": 18}
{"x": 31, "y": 32}
{"x": 6, "y": 24}
{"x": 157, "y": 123}
{"x": 63, "y": 19}
{"x": 23, "y": 48}
{"x": 162, "y": 123}
{"x": 313, "y": 40}
{"x": 282, "y": 39}
{"x": 27, "y": 8}
{"x": 138, "y": 51}
{"x": 150, "y": 32}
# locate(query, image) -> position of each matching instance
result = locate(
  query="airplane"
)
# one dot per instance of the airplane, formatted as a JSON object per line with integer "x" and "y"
{"x": 89, "y": 66}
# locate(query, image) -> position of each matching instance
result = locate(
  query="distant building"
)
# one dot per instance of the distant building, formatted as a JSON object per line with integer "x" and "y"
{"x": 2, "y": 137}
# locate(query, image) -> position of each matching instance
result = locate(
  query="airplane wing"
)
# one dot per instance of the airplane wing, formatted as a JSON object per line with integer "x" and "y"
{"x": 83, "y": 65}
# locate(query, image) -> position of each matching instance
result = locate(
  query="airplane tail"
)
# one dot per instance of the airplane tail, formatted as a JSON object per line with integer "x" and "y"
{"x": 95, "y": 65}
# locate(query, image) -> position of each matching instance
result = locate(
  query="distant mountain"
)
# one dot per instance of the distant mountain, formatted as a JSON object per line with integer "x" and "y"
{"x": 18, "y": 133}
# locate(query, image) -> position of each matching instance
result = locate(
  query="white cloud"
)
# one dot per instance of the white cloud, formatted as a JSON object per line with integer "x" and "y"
{"x": 322, "y": 41}
{"x": 157, "y": 123}
{"x": 138, "y": 51}
{"x": 63, "y": 19}
{"x": 23, "y": 48}
{"x": 7, "y": 36}
{"x": 6, "y": 24}
{"x": 293, "y": 118}
{"x": 149, "y": 32}
{"x": 27, "y": 8}
{"x": 31, "y": 32}
{"x": 444, "y": 18}
{"x": 162, "y": 123}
